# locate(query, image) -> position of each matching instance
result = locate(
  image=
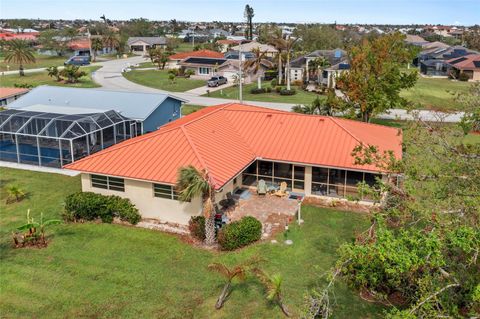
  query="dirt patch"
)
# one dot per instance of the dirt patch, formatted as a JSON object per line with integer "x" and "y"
{"x": 340, "y": 204}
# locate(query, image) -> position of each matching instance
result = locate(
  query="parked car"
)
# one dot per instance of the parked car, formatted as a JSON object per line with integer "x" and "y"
{"x": 78, "y": 60}
{"x": 216, "y": 81}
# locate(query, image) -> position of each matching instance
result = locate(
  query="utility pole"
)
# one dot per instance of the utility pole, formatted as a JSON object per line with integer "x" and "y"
{"x": 240, "y": 94}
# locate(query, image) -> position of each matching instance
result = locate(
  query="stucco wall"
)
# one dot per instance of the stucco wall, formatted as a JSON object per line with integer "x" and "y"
{"x": 141, "y": 194}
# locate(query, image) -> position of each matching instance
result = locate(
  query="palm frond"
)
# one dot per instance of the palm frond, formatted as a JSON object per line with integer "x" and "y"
{"x": 221, "y": 269}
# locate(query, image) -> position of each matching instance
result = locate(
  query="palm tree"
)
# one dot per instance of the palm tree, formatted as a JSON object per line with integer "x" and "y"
{"x": 255, "y": 64}
{"x": 287, "y": 46}
{"x": 238, "y": 271}
{"x": 19, "y": 52}
{"x": 15, "y": 194}
{"x": 275, "y": 40}
{"x": 248, "y": 14}
{"x": 72, "y": 73}
{"x": 273, "y": 286}
{"x": 111, "y": 41}
{"x": 96, "y": 45}
{"x": 192, "y": 183}
{"x": 320, "y": 64}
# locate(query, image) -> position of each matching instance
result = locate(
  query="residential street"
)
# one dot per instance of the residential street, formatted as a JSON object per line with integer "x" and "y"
{"x": 110, "y": 77}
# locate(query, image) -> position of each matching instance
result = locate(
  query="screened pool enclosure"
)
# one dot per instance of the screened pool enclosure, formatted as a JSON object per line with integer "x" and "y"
{"x": 53, "y": 139}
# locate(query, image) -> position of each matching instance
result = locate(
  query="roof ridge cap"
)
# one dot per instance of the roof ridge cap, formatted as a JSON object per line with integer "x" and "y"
{"x": 342, "y": 127}
{"x": 197, "y": 154}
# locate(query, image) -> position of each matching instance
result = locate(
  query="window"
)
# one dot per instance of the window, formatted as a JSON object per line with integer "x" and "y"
{"x": 202, "y": 70}
{"x": 107, "y": 182}
{"x": 165, "y": 191}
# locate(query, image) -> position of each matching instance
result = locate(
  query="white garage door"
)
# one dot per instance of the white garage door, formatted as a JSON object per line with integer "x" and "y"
{"x": 229, "y": 75}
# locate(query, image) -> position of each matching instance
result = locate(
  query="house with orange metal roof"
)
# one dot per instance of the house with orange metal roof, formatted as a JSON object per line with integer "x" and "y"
{"x": 237, "y": 145}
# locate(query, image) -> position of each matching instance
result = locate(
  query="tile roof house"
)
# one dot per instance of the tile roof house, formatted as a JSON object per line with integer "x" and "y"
{"x": 469, "y": 65}
{"x": 176, "y": 58}
{"x": 237, "y": 145}
{"x": 8, "y": 95}
{"x": 248, "y": 47}
{"x": 141, "y": 45}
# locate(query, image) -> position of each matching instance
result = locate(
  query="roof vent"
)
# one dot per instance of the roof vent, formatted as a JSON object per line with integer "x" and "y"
{"x": 269, "y": 115}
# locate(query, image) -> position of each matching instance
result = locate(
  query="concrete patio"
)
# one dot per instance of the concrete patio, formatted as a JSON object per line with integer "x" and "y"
{"x": 272, "y": 211}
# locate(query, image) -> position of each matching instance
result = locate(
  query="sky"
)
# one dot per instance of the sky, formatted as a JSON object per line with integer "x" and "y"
{"x": 459, "y": 12}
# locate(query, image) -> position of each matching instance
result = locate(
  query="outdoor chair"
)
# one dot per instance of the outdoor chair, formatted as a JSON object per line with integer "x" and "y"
{"x": 261, "y": 187}
{"x": 282, "y": 191}
{"x": 228, "y": 202}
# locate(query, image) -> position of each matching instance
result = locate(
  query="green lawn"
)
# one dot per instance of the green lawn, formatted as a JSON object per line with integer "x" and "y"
{"x": 42, "y": 61}
{"x": 111, "y": 271}
{"x": 190, "y": 108}
{"x": 42, "y": 78}
{"x": 158, "y": 79}
{"x": 301, "y": 97}
{"x": 436, "y": 94}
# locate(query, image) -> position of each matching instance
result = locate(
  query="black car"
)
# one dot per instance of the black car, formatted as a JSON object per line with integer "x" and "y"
{"x": 216, "y": 81}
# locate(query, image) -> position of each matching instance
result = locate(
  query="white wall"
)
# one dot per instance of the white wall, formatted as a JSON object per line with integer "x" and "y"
{"x": 140, "y": 193}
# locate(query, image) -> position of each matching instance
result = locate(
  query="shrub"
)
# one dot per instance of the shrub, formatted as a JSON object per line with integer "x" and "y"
{"x": 288, "y": 92}
{"x": 463, "y": 77}
{"x": 196, "y": 225}
{"x": 274, "y": 83}
{"x": 90, "y": 206}
{"x": 240, "y": 233}
{"x": 257, "y": 90}
{"x": 189, "y": 73}
{"x": 297, "y": 83}
{"x": 278, "y": 89}
{"x": 268, "y": 89}
{"x": 175, "y": 72}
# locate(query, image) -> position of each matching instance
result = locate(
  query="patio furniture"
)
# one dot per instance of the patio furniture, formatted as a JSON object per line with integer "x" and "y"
{"x": 261, "y": 187}
{"x": 228, "y": 202}
{"x": 282, "y": 191}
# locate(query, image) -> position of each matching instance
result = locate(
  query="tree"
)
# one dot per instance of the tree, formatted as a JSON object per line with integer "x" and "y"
{"x": 472, "y": 39}
{"x": 35, "y": 231}
{"x": 470, "y": 104}
{"x": 375, "y": 79}
{"x": 111, "y": 40}
{"x": 72, "y": 73}
{"x": 57, "y": 40}
{"x": 288, "y": 45}
{"x": 158, "y": 56}
{"x": 421, "y": 251}
{"x": 315, "y": 37}
{"x": 330, "y": 107}
{"x": 53, "y": 72}
{"x": 249, "y": 14}
{"x": 267, "y": 31}
{"x": 277, "y": 41}
{"x": 15, "y": 194}
{"x": 255, "y": 63}
{"x": 239, "y": 271}
{"x": 273, "y": 286}
{"x": 96, "y": 44}
{"x": 193, "y": 183}
{"x": 319, "y": 64}
{"x": 18, "y": 52}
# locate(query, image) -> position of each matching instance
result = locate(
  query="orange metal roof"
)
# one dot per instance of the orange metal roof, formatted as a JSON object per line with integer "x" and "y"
{"x": 224, "y": 139}
{"x": 199, "y": 53}
{"x": 7, "y": 92}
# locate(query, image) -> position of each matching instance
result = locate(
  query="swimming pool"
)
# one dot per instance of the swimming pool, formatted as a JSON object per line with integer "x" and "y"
{"x": 29, "y": 153}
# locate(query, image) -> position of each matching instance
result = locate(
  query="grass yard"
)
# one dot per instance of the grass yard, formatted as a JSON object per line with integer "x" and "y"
{"x": 42, "y": 78}
{"x": 158, "y": 79}
{"x": 190, "y": 108}
{"x": 301, "y": 97}
{"x": 111, "y": 271}
{"x": 436, "y": 94}
{"x": 42, "y": 61}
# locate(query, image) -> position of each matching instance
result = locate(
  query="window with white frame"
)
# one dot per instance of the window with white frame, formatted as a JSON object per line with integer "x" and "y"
{"x": 165, "y": 191}
{"x": 107, "y": 182}
{"x": 203, "y": 70}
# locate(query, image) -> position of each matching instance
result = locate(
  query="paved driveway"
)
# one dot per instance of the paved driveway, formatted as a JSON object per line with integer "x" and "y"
{"x": 110, "y": 77}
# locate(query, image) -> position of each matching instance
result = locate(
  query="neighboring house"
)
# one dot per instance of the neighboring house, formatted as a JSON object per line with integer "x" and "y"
{"x": 301, "y": 71}
{"x": 415, "y": 39}
{"x": 237, "y": 145}
{"x": 141, "y": 45}
{"x": 175, "y": 59}
{"x": 270, "y": 50}
{"x": 433, "y": 61}
{"x": 204, "y": 68}
{"x": 54, "y": 126}
{"x": 235, "y": 55}
{"x": 30, "y": 37}
{"x": 8, "y": 95}
{"x": 77, "y": 46}
{"x": 469, "y": 65}
{"x": 226, "y": 44}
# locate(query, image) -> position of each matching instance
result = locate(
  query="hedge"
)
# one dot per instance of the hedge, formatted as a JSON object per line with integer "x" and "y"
{"x": 240, "y": 233}
{"x": 257, "y": 90}
{"x": 288, "y": 92}
{"x": 90, "y": 206}
{"x": 196, "y": 225}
